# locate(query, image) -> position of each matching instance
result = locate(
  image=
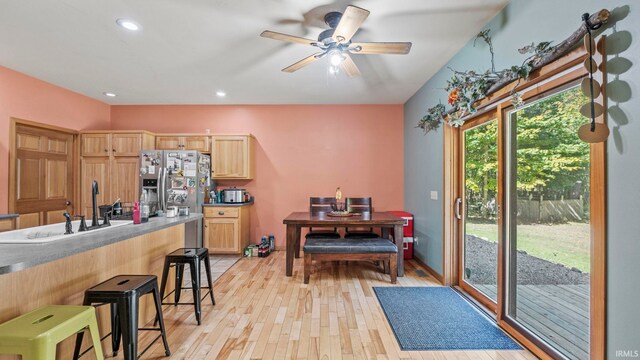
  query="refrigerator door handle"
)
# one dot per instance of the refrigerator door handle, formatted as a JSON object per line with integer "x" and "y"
{"x": 162, "y": 190}
{"x": 158, "y": 184}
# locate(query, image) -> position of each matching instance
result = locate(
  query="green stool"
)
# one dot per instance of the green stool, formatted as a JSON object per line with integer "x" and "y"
{"x": 35, "y": 335}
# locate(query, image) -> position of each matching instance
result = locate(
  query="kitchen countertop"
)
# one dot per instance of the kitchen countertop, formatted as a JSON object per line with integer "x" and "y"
{"x": 16, "y": 257}
{"x": 8, "y": 216}
{"x": 230, "y": 204}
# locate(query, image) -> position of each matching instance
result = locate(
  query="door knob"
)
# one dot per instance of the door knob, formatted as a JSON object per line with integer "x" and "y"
{"x": 68, "y": 203}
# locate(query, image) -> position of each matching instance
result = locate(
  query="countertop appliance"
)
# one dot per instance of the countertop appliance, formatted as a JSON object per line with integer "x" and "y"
{"x": 233, "y": 195}
{"x": 176, "y": 178}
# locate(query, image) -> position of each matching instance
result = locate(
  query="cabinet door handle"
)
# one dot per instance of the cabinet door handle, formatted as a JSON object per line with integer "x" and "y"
{"x": 220, "y": 212}
{"x": 114, "y": 150}
{"x": 105, "y": 150}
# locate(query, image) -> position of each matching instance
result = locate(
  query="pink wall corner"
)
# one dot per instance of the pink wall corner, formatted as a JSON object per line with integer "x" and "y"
{"x": 302, "y": 151}
{"x": 25, "y": 97}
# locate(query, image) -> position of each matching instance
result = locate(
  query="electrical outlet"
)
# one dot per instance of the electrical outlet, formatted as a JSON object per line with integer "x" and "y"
{"x": 434, "y": 195}
{"x": 415, "y": 241}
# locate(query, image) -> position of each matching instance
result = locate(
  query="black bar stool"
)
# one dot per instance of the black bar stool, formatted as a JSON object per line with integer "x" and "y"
{"x": 123, "y": 293}
{"x": 193, "y": 257}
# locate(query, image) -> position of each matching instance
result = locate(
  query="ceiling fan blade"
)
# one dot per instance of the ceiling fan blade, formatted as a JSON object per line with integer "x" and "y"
{"x": 349, "y": 67}
{"x": 350, "y": 22}
{"x": 381, "y": 48}
{"x": 302, "y": 63}
{"x": 288, "y": 38}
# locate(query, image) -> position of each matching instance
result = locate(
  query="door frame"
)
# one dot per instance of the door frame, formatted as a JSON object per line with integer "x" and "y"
{"x": 13, "y": 123}
{"x": 476, "y": 121}
{"x": 551, "y": 76}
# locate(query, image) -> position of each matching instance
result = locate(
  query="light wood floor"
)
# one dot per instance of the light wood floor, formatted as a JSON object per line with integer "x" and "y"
{"x": 262, "y": 314}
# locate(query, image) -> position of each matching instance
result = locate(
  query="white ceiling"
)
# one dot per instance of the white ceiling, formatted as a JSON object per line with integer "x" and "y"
{"x": 188, "y": 49}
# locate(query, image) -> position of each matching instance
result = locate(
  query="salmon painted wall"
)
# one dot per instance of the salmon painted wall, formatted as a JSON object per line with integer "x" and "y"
{"x": 302, "y": 151}
{"x": 25, "y": 97}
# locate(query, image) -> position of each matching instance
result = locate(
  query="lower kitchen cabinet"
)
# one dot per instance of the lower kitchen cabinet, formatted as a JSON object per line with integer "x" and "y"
{"x": 226, "y": 229}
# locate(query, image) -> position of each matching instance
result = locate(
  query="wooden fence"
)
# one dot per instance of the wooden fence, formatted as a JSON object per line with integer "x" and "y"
{"x": 535, "y": 211}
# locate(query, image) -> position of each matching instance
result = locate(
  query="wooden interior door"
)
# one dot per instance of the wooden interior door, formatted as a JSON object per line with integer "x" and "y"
{"x": 42, "y": 175}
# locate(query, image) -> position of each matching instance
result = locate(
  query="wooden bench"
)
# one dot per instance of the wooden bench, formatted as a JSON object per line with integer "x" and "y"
{"x": 350, "y": 249}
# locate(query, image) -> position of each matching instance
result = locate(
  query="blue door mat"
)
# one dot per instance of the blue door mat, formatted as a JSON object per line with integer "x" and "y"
{"x": 438, "y": 318}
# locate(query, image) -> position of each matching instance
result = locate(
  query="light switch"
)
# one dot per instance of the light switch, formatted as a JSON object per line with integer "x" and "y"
{"x": 434, "y": 195}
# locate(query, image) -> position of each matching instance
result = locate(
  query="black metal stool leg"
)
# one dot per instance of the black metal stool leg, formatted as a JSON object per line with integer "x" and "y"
{"x": 179, "y": 277}
{"x": 194, "y": 266}
{"x": 116, "y": 332}
{"x": 128, "y": 313}
{"x": 76, "y": 351}
{"x": 163, "y": 286}
{"x": 207, "y": 267}
{"x": 163, "y": 332}
{"x": 165, "y": 275}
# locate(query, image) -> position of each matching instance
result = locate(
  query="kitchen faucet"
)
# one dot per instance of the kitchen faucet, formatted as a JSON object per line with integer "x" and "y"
{"x": 94, "y": 192}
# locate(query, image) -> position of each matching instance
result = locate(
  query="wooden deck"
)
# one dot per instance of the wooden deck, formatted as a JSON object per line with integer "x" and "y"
{"x": 558, "y": 314}
{"x": 262, "y": 314}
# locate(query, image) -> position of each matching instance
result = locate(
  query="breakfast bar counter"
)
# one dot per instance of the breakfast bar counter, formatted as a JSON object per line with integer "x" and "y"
{"x": 16, "y": 257}
{"x": 59, "y": 272}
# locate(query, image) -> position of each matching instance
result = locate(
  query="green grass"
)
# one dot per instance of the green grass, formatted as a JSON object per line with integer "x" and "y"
{"x": 566, "y": 244}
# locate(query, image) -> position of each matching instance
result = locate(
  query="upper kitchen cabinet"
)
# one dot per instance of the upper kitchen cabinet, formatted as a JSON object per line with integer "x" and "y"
{"x": 107, "y": 143}
{"x": 111, "y": 158}
{"x": 232, "y": 157}
{"x": 183, "y": 142}
{"x": 96, "y": 144}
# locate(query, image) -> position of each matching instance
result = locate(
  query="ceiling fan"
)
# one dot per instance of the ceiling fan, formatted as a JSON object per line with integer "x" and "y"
{"x": 336, "y": 42}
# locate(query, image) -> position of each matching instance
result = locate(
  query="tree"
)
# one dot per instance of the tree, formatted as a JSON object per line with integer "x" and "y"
{"x": 550, "y": 157}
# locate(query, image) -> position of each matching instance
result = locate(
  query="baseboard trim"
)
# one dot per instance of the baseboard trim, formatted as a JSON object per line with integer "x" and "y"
{"x": 429, "y": 270}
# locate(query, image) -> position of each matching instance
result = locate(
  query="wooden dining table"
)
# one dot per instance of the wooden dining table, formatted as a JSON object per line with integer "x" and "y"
{"x": 390, "y": 224}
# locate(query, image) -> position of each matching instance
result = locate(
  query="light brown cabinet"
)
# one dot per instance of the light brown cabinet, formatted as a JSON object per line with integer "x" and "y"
{"x": 183, "y": 142}
{"x": 226, "y": 229}
{"x": 232, "y": 157}
{"x": 115, "y": 143}
{"x": 94, "y": 168}
{"x": 111, "y": 158}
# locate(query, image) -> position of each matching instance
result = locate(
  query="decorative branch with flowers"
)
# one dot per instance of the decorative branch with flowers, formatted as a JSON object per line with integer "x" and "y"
{"x": 466, "y": 88}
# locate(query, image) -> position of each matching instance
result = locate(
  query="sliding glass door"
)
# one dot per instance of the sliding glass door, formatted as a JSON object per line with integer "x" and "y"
{"x": 547, "y": 227}
{"x": 478, "y": 208}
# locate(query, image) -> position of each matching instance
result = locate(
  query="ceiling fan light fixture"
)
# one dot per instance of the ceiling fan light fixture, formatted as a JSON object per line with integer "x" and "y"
{"x": 336, "y": 57}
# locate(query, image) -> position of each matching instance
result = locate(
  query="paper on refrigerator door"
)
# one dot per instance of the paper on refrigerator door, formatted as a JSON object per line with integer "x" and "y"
{"x": 190, "y": 169}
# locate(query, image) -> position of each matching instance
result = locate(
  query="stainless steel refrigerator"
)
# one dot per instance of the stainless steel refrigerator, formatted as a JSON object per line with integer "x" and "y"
{"x": 176, "y": 178}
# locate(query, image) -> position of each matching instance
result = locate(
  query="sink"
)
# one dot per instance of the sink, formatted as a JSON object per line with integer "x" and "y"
{"x": 49, "y": 233}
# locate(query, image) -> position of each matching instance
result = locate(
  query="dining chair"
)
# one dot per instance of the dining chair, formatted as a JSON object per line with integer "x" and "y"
{"x": 362, "y": 205}
{"x": 318, "y": 205}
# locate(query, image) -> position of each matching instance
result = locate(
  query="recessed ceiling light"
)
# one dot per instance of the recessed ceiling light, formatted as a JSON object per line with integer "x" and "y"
{"x": 109, "y": 94}
{"x": 128, "y": 24}
{"x": 221, "y": 93}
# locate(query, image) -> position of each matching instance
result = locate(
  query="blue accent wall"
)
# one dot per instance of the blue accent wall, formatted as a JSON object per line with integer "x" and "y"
{"x": 523, "y": 22}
